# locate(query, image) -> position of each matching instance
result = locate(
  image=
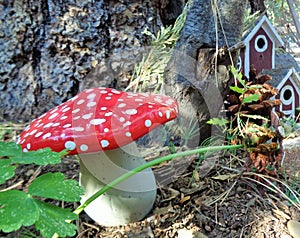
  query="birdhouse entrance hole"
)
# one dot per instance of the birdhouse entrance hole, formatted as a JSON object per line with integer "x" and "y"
{"x": 261, "y": 43}
{"x": 287, "y": 94}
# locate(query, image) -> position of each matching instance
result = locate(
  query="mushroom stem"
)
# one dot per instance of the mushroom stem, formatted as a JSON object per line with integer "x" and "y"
{"x": 129, "y": 201}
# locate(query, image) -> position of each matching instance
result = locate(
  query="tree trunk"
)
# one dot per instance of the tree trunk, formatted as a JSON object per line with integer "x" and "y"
{"x": 51, "y": 49}
{"x": 198, "y": 73}
{"x": 295, "y": 19}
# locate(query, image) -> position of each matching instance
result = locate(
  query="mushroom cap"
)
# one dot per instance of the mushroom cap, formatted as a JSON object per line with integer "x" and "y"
{"x": 98, "y": 119}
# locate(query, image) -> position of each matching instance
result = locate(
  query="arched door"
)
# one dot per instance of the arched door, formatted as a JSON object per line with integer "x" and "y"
{"x": 287, "y": 97}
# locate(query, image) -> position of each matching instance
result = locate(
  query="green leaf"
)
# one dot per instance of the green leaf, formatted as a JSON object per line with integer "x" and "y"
{"x": 251, "y": 98}
{"x": 237, "y": 89}
{"x": 10, "y": 149}
{"x": 7, "y": 170}
{"x": 16, "y": 209}
{"x": 238, "y": 75}
{"x": 217, "y": 121}
{"x": 54, "y": 219}
{"x": 40, "y": 157}
{"x": 54, "y": 185}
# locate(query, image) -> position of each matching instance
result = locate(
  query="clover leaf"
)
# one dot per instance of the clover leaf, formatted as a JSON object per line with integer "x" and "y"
{"x": 10, "y": 149}
{"x": 17, "y": 209}
{"x": 7, "y": 170}
{"x": 39, "y": 157}
{"x": 53, "y": 220}
{"x": 54, "y": 185}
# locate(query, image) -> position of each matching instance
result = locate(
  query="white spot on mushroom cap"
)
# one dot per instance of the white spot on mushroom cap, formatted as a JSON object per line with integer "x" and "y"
{"x": 128, "y": 134}
{"x": 43, "y": 115}
{"x": 80, "y": 102}
{"x": 39, "y": 125}
{"x": 148, "y": 123}
{"x": 103, "y": 108}
{"x": 108, "y": 114}
{"x": 70, "y": 145}
{"x": 48, "y": 125}
{"x": 63, "y": 118}
{"x": 78, "y": 128}
{"x": 128, "y": 123}
{"x": 73, "y": 98}
{"x": 160, "y": 114}
{"x": 106, "y": 130}
{"x": 84, "y": 147}
{"x": 33, "y": 132}
{"x": 97, "y": 121}
{"x": 122, "y": 119}
{"x": 66, "y": 109}
{"x": 91, "y": 104}
{"x": 89, "y": 90}
{"x": 46, "y": 135}
{"x": 115, "y": 91}
{"x": 26, "y": 135}
{"x": 131, "y": 111}
{"x": 28, "y": 146}
{"x": 27, "y": 128}
{"x": 107, "y": 98}
{"x": 76, "y": 110}
{"x": 168, "y": 114}
{"x": 104, "y": 143}
{"x": 53, "y": 110}
{"x": 67, "y": 125}
{"x": 91, "y": 96}
{"x": 121, "y": 105}
{"x": 38, "y": 134}
{"x": 87, "y": 116}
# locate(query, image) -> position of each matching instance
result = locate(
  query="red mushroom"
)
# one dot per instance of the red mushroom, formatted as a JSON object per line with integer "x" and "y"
{"x": 101, "y": 125}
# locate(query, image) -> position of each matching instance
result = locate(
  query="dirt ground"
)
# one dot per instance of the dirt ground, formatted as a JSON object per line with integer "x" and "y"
{"x": 217, "y": 199}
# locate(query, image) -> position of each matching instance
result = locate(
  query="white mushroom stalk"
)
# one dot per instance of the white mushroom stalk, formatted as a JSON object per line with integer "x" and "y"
{"x": 101, "y": 125}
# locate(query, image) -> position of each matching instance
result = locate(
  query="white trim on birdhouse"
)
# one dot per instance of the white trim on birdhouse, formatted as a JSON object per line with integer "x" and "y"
{"x": 257, "y": 46}
{"x": 266, "y": 25}
{"x": 285, "y": 101}
{"x": 292, "y": 72}
{"x": 247, "y": 59}
{"x": 294, "y": 78}
{"x": 239, "y": 63}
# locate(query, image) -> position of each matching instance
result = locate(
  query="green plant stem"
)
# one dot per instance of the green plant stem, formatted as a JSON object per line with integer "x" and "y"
{"x": 149, "y": 164}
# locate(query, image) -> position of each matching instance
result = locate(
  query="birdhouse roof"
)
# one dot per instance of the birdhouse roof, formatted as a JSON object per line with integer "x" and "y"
{"x": 286, "y": 60}
{"x": 264, "y": 23}
{"x": 280, "y": 76}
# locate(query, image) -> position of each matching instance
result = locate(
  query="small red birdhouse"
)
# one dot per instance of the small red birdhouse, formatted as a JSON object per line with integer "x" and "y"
{"x": 257, "y": 49}
{"x": 259, "y": 41}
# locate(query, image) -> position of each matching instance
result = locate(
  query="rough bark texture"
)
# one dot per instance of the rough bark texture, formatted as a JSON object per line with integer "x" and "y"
{"x": 48, "y": 48}
{"x": 195, "y": 76}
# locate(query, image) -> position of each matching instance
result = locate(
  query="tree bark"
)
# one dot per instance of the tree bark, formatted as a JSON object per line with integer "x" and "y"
{"x": 197, "y": 75}
{"x": 295, "y": 19}
{"x": 50, "y": 47}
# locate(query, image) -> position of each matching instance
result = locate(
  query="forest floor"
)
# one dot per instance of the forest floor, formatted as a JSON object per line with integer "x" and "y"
{"x": 217, "y": 199}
